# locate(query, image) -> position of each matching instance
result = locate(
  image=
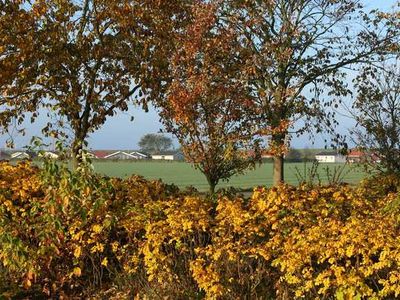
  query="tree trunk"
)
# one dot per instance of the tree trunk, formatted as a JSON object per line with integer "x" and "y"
{"x": 278, "y": 174}
{"x": 212, "y": 184}
{"x": 278, "y": 141}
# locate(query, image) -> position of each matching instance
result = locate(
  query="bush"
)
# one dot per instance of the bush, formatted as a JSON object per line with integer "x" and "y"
{"x": 77, "y": 234}
{"x": 59, "y": 230}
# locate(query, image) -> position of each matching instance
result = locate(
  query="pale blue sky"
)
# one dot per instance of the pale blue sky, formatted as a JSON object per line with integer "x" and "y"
{"x": 120, "y": 133}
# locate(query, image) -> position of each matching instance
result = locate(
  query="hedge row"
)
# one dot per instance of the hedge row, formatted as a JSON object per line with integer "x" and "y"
{"x": 76, "y": 234}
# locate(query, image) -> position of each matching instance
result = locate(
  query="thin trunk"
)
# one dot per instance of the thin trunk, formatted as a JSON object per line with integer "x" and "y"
{"x": 81, "y": 132}
{"x": 278, "y": 141}
{"x": 279, "y": 176}
{"x": 212, "y": 184}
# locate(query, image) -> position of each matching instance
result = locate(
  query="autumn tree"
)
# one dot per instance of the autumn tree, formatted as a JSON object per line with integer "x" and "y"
{"x": 299, "y": 53}
{"x": 81, "y": 61}
{"x": 154, "y": 143}
{"x": 206, "y": 100}
{"x": 377, "y": 112}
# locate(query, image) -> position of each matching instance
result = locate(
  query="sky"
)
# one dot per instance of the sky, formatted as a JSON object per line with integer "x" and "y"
{"x": 120, "y": 133}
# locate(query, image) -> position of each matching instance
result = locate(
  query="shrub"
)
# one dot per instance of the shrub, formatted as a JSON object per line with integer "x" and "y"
{"x": 77, "y": 234}
{"x": 59, "y": 229}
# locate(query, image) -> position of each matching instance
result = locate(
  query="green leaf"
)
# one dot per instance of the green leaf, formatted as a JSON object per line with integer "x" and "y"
{"x": 339, "y": 295}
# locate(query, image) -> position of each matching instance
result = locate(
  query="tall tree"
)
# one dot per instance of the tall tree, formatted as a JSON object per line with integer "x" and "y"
{"x": 155, "y": 143}
{"x": 206, "y": 100}
{"x": 81, "y": 61}
{"x": 377, "y": 111}
{"x": 299, "y": 53}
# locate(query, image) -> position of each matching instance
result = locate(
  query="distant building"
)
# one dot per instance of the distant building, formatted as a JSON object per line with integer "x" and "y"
{"x": 20, "y": 155}
{"x": 48, "y": 154}
{"x": 356, "y": 156}
{"x": 139, "y": 155}
{"x": 118, "y": 154}
{"x": 168, "y": 155}
{"x": 330, "y": 157}
{"x": 99, "y": 154}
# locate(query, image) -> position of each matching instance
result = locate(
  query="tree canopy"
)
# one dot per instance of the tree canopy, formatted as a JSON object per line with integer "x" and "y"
{"x": 155, "y": 143}
{"x": 80, "y": 61}
{"x": 223, "y": 73}
{"x": 206, "y": 103}
{"x": 298, "y": 53}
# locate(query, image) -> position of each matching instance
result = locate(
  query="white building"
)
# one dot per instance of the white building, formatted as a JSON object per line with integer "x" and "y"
{"x": 19, "y": 155}
{"x": 48, "y": 154}
{"x": 120, "y": 155}
{"x": 168, "y": 156}
{"x": 330, "y": 157}
{"x": 138, "y": 155}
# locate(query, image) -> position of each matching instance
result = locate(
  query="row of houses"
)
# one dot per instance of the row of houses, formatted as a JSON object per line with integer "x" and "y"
{"x": 135, "y": 155}
{"x": 323, "y": 157}
{"x": 354, "y": 156}
{"x": 96, "y": 154}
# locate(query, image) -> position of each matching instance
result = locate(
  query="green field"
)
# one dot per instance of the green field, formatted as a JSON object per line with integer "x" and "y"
{"x": 183, "y": 174}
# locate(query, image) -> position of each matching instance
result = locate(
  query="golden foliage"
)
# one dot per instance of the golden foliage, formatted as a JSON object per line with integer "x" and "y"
{"x": 76, "y": 233}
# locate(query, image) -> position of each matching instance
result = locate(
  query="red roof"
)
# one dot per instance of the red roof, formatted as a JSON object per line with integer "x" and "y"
{"x": 356, "y": 153}
{"x": 101, "y": 153}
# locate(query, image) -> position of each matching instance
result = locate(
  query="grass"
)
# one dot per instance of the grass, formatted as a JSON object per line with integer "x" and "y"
{"x": 183, "y": 174}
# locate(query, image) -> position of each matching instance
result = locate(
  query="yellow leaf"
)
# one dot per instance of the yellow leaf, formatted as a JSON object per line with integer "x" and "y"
{"x": 65, "y": 201}
{"x": 97, "y": 228}
{"x": 104, "y": 262}
{"x": 77, "y": 252}
{"x": 77, "y": 271}
{"x": 114, "y": 246}
{"x": 27, "y": 283}
{"x": 87, "y": 191}
{"x": 349, "y": 250}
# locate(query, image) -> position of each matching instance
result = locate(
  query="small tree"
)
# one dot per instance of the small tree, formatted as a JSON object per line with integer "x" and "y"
{"x": 154, "y": 143}
{"x": 206, "y": 102}
{"x": 377, "y": 111}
